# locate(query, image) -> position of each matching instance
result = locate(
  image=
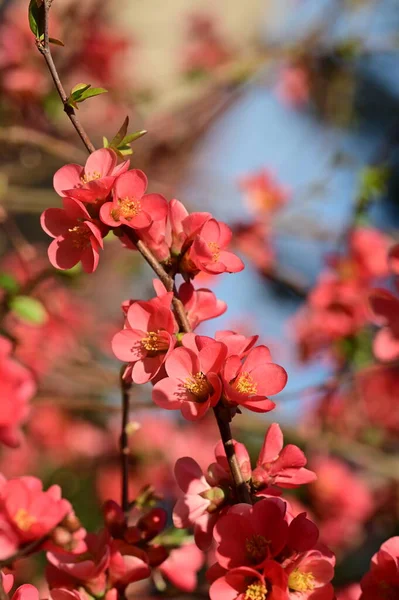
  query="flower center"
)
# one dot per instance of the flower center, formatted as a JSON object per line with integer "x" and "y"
{"x": 90, "y": 177}
{"x": 244, "y": 384}
{"x": 24, "y": 520}
{"x": 301, "y": 582}
{"x": 80, "y": 235}
{"x": 256, "y": 591}
{"x": 256, "y": 547}
{"x": 215, "y": 249}
{"x": 129, "y": 208}
{"x": 198, "y": 385}
{"x": 154, "y": 342}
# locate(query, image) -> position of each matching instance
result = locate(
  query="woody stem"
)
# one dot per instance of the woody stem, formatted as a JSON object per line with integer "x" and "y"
{"x": 220, "y": 413}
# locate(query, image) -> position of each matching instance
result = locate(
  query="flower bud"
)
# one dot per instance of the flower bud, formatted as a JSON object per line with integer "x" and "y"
{"x": 216, "y": 497}
{"x": 156, "y": 555}
{"x": 114, "y": 518}
{"x": 71, "y": 523}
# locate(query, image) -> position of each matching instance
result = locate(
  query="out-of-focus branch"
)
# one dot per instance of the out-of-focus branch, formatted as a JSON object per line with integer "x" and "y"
{"x": 23, "y": 136}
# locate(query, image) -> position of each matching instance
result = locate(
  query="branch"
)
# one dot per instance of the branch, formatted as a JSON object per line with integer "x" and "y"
{"x": 124, "y": 441}
{"x": 221, "y": 415}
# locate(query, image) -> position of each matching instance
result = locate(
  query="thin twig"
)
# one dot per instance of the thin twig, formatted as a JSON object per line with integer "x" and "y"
{"x": 124, "y": 440}
{"x": 180, "y": 313}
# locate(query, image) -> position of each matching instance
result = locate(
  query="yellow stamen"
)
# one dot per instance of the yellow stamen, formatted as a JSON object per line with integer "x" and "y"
{"x": 301, "y": 582}
{"x": 198, "y": 385}
{"x": 154, "y": 342}
{"x": 244, "y": 384}
{"x": 129, "y": 208}
{"x": 215, "y": 249}
{"x": 90, "y": 177}
{"x": 256, "y": 591}
{"x": 24, "y": 520}
{"x": 256, "y": 547}
{"x": 80, "y": 235}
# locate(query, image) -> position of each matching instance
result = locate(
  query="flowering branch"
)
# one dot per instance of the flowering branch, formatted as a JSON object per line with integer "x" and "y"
{"x": 221, "y": 415}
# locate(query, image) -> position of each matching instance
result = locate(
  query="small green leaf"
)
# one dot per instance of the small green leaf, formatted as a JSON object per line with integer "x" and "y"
{"x": 36, "y": 17}
{"x": 91, "y": 92}
{"x": 8, "y": 283}
{"x": 29, "y": 309}
{"x": 373, "y": 181}
{"x": 105, "y": 142}
{"x": 56, "y": 42}
{"x": 132, "y": 137}
{"x": 78, "y": 90}
{"x": 117, "y": 139}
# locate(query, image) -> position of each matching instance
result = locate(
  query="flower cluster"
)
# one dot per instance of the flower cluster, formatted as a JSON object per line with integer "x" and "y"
{"x": 102, "y": 196}
{"x": 207, "y": 497}
{"x": 30, "y": 515}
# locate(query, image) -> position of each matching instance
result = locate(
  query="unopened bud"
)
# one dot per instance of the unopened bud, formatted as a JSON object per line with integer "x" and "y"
{"x": 61, "y": 537}
{"x": 152, "y": 523}
{"x": 132, "y": 535}
{"x": 71, "y": 523}
{"x": 114, "y": 518}
{"x": 156, "y": 555}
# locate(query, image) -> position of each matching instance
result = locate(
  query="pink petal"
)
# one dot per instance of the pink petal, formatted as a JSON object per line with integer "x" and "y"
{"x": 270, "y": 379}
{"x": 182, "y": 363}
{"x": 232, "y": 263}
{"x": 67, "y": 177}
{"x": 210, "y": 232}
{"x": 155, "y": 205}
{"x": 272, "y": 445}
{"x": 139, "y": 221}
{"x": 169, "y": 393}
{"x": 132, "y": 184}
{"x": 189, "y": 476}
{"x": 386, "y": 345}
{"x": 258, "y": 404}
{"x": 256, "y": 357}
{"x": 90, "y": 258}
{"x": 56, "y": 222}
{"x": 126, "y": 345}
{"x": 192, "y": 411}
{"x": 139, "y": 315}
{"x": 106, "y": 215}
{"x": 26, "y": 592}
{"x": 231, "y": 368}
{"x": 212, "y": 357}
{"x": 63, "y": 254}
{"x": 102, "y": 161}
{"x": 75, "y": 209}
{"x": 145, "y": 369}
{"x": 225, "y": 235}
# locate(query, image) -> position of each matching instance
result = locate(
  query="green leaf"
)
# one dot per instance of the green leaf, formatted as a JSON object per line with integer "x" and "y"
{"x": 105, "y": 142}
{"x": 8, "y": 283}
{"x": 373, "y": 181}
{"x": 132, "y": 137}
{"x": 92, "y": 92}
{"x": 56, "y": 42}
{"x": 78, "y": 90}
{"x": 29, "y": 309}
{"x": 117, "y": 139}
{"x": 36, "y": 17}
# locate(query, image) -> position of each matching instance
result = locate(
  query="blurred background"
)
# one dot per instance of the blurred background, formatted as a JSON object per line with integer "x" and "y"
{"x": 281, "y": 118}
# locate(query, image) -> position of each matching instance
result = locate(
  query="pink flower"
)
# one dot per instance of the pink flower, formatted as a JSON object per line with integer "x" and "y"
{"x": 249, "y": 383}
{"x": 17, "y": 387}
{"x": 94, "y": 181}
{"x": 200, "y": 304}
{"x": 182, "y": 565}
{"x": 382, "y": 581}
{"x": 237, "y": 344}
{"x": 67, "y": 569}
{"x": 199, "y": 506}
{"x": 245, "y": 583}
{"x": 77, "y": 237}
{"x": 147, "y": 339}
{"x": 182, "y": 227}
{"x": 293, "y": 86}
{"x": 280, "y": 466}
{"x": 193, "y": 384}
{"x": 249, "y": 535}
{"x": 368, "y": 249}
{"x": 24, "y": 592}
{"x": 208, "y": 253}
{"x": 127, "y": 564}
{"x": 130, "y": 205}
{"x": 385, "y": 308}
{"x": 32, "y": 512}
{"x": 309, "y": 576}
{"x": 263, "y": 193}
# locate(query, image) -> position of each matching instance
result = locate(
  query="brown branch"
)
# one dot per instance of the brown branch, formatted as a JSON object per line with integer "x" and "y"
{"x": 44, "y": 48}
{"x": 221, "y": 417}
{"x": 124, "y": 440}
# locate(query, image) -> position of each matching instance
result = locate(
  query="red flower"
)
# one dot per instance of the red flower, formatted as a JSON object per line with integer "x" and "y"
{"x": 309, "y": 576}
{"x": 94, "y": 181}
{"x": 244, "y": 583}
{"x": 385, "y": 308}
{"x": 147, "y": 338}
{"x": 280, "y": 466}
{"x": 130, "y": 205}
{"x": 77, "y": 236}
{"x": 17, "y": 387}
{"x": 249, "y": 535}
{"x": 208, "y": 253}
{"x": 249, "y": 383}
{"x": 32, "y": 512}
{"x": 382, "y": 581}
{"x": 192, "y": 384}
